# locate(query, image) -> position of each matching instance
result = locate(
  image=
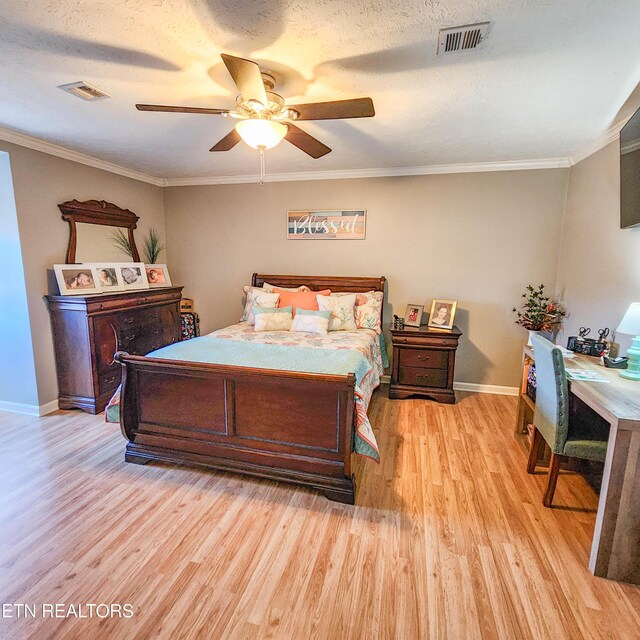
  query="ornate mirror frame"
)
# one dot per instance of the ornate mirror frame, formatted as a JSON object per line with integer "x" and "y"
{"x": 97, "y": 212}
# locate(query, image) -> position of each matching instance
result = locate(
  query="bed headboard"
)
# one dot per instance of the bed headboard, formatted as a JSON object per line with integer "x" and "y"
{"x": 317, "y": 283}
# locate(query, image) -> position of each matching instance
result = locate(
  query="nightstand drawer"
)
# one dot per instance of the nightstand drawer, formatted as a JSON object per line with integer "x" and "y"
{"x": 424, "y": 358}
{"x": 421, "y": 377}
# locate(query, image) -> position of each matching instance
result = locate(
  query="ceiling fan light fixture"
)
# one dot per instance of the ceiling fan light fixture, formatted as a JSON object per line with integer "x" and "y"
{"x": 259, "y": 133}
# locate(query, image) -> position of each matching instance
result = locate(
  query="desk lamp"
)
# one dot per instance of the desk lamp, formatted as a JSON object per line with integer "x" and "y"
{"x": 630, "y": 325}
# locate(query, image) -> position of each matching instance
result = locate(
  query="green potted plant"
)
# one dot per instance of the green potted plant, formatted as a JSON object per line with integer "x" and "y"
{"x": 152, "y": 244}
{"x": 538, "y": 313}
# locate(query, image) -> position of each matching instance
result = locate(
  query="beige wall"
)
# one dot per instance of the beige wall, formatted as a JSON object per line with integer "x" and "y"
{"x": 479, "y": 238}
{"x": 41, "y": 182}
{"x": 599, "y": 265}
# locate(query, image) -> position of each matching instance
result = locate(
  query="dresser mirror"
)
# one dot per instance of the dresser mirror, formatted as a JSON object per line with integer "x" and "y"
{"x": 92, "y": 227}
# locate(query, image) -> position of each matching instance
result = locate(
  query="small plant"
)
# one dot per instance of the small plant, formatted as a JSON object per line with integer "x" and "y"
{"x": 121, "y": 240}
{"x": 539, "y": 312}
{"x": 152, "y": 246}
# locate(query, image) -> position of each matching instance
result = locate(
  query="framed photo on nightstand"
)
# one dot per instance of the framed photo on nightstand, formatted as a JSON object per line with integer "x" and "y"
{"x": 443, "y": 313}
{"x": 413, "y": 315}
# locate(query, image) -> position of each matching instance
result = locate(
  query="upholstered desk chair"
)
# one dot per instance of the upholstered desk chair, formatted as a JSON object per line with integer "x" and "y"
{"x": 567, "y": 435}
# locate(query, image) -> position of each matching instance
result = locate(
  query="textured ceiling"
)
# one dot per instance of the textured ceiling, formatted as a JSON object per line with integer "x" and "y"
{"x": 548, "y": 80}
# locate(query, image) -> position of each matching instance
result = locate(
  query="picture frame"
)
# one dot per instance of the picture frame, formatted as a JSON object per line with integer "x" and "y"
{"x": 442, "y": 315}
{"x": 109, "y": 278}
{"x": 133, "y": 275}
{"x": 77, "y": 279}
{"x": 413, "y": 315}
{"x": 327, "y": 224}
{"x": 157, "y": 275}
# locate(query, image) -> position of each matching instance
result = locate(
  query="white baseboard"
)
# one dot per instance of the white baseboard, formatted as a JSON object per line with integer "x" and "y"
{"x": 29, "y": 409}
{"x": 486, "y": 388}
{"x": 474, "y": 388}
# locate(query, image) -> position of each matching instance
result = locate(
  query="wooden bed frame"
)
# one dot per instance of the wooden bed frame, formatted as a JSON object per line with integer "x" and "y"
{"x": 281, "y": 425}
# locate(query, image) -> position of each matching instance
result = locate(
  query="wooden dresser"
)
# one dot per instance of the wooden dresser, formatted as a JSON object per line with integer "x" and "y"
{"x": 88, "y": 330}
{"x": 423, "y": 363}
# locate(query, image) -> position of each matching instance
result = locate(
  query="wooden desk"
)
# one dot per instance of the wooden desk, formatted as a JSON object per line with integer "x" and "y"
{"x": 615, "y": 551}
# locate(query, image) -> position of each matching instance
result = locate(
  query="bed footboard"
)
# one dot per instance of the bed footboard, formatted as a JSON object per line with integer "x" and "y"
{"x": 287, "y": 426}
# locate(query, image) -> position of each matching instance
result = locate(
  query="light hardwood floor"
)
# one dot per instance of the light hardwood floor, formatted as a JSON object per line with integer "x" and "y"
{"x": 449, "y": 539}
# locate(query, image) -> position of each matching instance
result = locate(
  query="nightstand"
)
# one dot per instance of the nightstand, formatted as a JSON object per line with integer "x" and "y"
{"x": 423, "y": 363}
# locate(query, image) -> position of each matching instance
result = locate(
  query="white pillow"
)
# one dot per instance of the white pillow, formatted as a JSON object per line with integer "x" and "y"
{"x": 257, "y": 296}
{"x": 269, "y": 288}
{"x": 342, "y": 311}
{"x": 268, "y": 319}
{"x": 311, "y": 321}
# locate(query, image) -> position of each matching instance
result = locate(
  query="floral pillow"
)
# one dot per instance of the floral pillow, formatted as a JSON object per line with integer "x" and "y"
{"x": 257, "y": 296}
{"x": 342, "y": 311}
{"x": 368, "y": 312}
{"x": 269, "y": 288}
{"x": 310, "y": 321}
{"x": 269, "y": 319}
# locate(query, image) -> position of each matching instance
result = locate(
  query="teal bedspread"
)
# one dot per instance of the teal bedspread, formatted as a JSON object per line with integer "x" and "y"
{"x": 213, "y": 350}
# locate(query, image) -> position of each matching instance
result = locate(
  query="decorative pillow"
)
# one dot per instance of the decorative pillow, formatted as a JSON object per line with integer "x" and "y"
{"x": 342, "y": 311}
{"x": 269, "y": 288}
{"x": 257, "y": 296}
{"x": 311, "y": 321}
{"x": 368, "y": 311}
{"x": 269, "y": 319}
{"x": 300, "y": 299}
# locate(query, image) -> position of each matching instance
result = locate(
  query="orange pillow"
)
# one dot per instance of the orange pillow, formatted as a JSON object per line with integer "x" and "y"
{"x": 300, "y": 299}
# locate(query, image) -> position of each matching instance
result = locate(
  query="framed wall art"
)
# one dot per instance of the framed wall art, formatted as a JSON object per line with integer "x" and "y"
{"x": 326, "y": 225}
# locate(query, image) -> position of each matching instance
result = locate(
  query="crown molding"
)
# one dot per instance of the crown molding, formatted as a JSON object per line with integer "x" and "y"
{"x": 30, "y": 142}
{"x": 610, "y": 135}
{"x": 67, "y": 154}
{"x": 383, "y": 172}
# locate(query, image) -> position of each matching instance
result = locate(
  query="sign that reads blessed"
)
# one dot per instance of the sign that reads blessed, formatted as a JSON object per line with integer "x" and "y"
{"x": 326, "y": 225}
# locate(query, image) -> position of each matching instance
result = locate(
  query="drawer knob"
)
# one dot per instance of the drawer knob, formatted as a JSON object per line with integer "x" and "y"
{"x": 110, "y": 380}
{"x": 423, "y": 357}
{"x": 128, "y": 320}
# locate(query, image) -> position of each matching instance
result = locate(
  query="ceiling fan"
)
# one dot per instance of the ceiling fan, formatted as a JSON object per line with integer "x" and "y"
{"x": 265, "y": 119}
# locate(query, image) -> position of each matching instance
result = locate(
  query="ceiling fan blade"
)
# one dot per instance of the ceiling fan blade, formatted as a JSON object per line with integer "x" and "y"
{"x": 337, "y": 109}
{"x": 246, "y": 75}
{"x": 160, "y": 107}
{"x": 228, "y": 142}
{"x": 305, "y": 142}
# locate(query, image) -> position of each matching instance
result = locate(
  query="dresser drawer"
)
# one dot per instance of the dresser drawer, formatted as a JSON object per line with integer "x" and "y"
{"x": 421, "y": 377}
{"x": 140, "y": 321}
{"x": 110, "y": 380}
{"x": 431, "y": 359}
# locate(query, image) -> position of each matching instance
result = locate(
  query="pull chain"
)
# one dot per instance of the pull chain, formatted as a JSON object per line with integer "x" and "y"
{"x": 261, "y": 166}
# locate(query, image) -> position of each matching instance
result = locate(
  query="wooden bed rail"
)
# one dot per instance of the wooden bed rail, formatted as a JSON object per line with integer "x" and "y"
{"x": 317, "y": 283}
{"x": 282, "y": 425}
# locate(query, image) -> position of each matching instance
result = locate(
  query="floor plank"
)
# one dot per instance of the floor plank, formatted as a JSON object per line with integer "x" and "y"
{"x": 449, "y": 539}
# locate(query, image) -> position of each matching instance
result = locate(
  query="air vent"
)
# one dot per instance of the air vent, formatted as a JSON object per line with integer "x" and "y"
{"x": 468, "y": 36}
{"x": 84, "y": 90}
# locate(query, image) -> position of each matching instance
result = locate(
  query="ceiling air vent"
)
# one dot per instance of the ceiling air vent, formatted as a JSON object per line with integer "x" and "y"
{"x": 84, "y": 90}
{"x": 468, "y": 36}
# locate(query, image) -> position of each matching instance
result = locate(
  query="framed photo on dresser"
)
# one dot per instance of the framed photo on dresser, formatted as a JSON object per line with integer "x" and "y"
{"x": 157, "y": 275}
{"x": 133, "y": 275}
{"x": 109, "y": 278}
{"x": 77, "y": 279}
